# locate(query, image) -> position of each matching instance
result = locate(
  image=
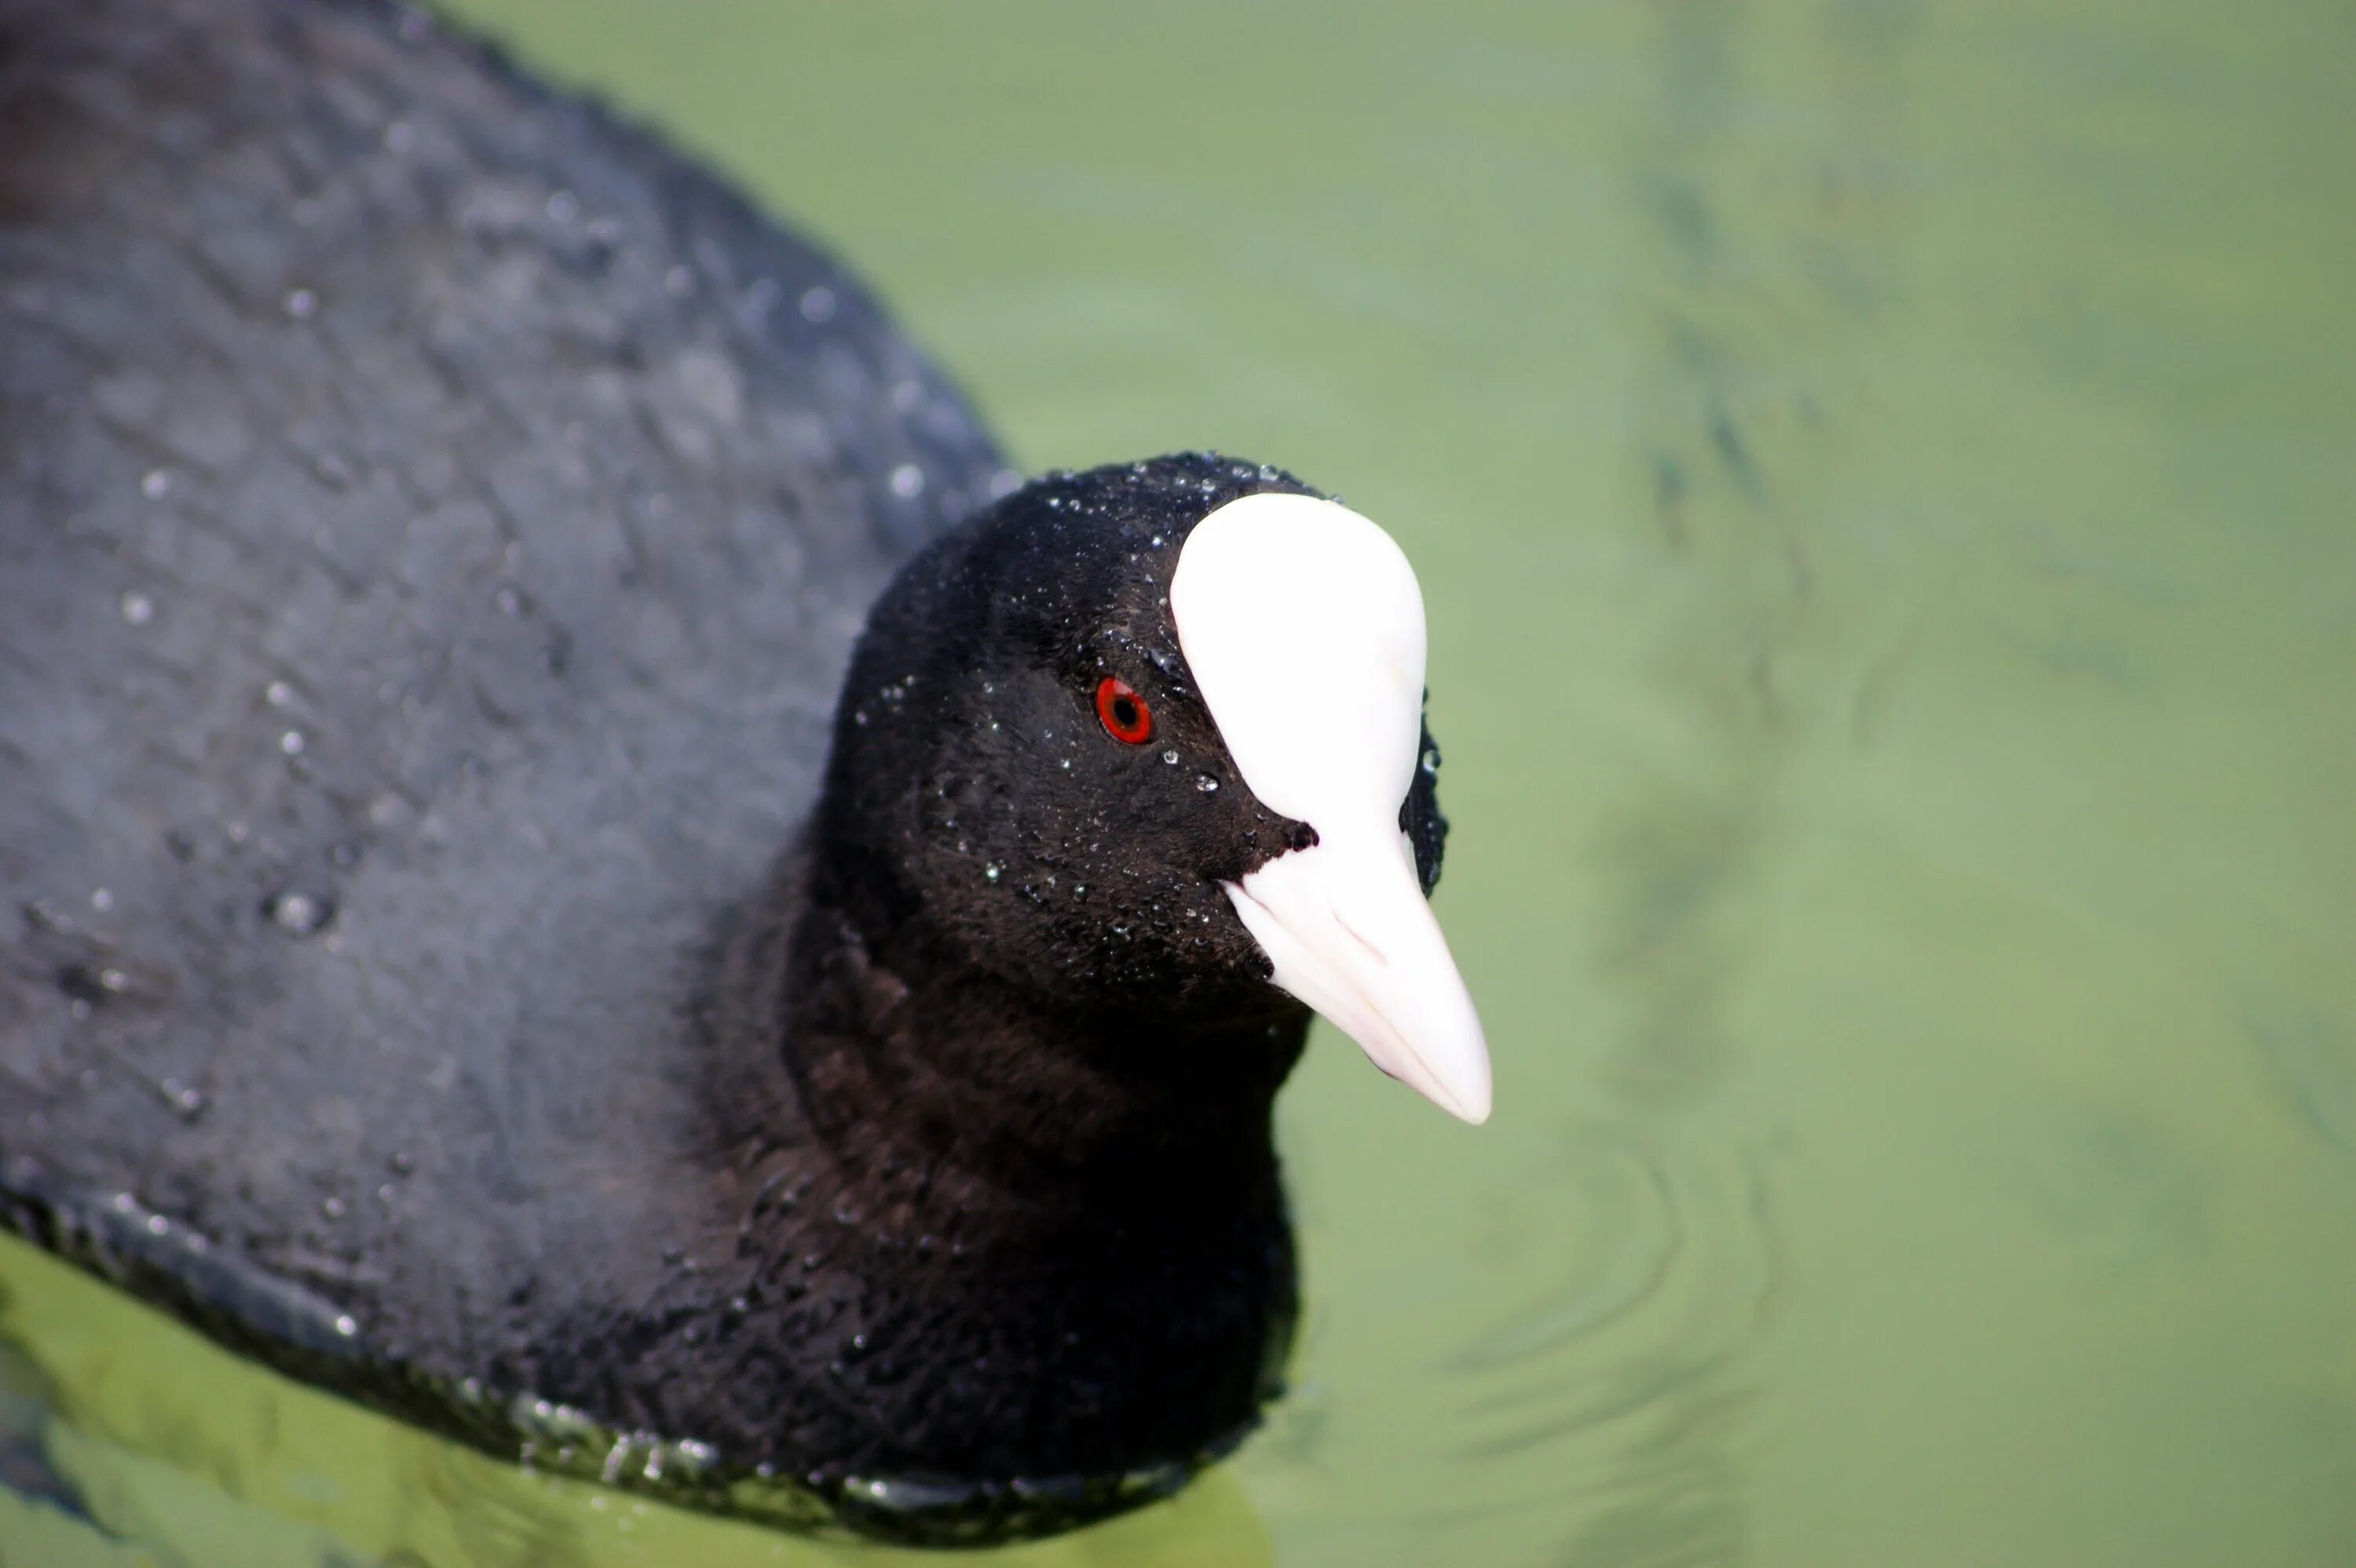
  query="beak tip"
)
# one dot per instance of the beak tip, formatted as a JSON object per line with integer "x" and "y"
{"x": 1470, "y": 1104}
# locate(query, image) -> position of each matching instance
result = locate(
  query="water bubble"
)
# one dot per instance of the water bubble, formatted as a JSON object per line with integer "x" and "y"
{"x": 510, "y": 599}
{"x": 157, "y": 1225}
{"x": 989, "y": 873}
{"x": 1170, "y": 757}
{"x": 278, "y": 694}
{"x": 817, "y": 305}
{"x": 299, "y": 913}
{"x": 1269, "y": 471}
{"x": 333, "y": 1208}
{"x": 156, "y": 485}
{"x": 1207, "y": 784}
{"x": 563, "y": 206}
{"x": 138, "y": 609}
{"x": 907, "y": 480}
{"x": 346, "y": 1325}
{"x": 300, "y": 304}
{"x": 101, "y": 899}
{"x": 292, "y": 742}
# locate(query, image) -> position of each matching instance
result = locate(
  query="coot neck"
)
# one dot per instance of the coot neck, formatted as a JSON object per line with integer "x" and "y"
{"x": 969, "y": 1235}
{"x": 918, "y": 1071}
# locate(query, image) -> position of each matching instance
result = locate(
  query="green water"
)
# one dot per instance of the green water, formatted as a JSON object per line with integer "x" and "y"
{"x": 1882, "y": 476}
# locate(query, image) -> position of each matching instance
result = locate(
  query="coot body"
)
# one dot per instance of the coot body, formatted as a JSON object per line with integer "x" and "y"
{"x": 434, "y": 523}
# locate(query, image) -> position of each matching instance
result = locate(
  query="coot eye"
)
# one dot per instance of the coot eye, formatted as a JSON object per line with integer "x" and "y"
{"x": 1126, "y": 717}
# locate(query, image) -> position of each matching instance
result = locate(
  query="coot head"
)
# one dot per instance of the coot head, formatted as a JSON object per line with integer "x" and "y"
{"x": 1146, "y": 743}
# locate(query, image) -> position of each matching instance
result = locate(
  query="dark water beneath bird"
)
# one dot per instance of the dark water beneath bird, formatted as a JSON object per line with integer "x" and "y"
{"x": 1882, "y": 474}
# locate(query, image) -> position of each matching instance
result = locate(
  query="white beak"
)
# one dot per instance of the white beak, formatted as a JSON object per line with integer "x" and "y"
{"x": 1304, "y": 626}
{"x": 1347, "y": 928}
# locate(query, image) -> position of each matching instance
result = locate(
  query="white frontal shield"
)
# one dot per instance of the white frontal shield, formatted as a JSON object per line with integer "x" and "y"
{"x": 1304, "y": 626}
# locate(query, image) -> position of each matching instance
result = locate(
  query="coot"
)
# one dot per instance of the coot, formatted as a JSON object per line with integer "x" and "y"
{"x": 468, "y": 943}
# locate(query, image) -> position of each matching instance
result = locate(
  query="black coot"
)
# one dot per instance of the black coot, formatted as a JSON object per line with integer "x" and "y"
{"x": 466, "y": 943}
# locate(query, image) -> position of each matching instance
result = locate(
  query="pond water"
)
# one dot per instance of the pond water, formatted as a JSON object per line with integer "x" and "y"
{"x": 1883, "y": 476}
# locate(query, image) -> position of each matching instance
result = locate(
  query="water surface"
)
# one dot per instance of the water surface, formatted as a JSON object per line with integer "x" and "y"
{"x": 1881, "y": 474}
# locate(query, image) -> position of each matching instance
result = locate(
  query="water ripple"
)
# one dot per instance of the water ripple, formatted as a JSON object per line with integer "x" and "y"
{"x": 1616, "y": 1396}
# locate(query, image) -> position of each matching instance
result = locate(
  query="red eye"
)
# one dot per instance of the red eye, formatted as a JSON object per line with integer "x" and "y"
{"x": 1126, "y": 717}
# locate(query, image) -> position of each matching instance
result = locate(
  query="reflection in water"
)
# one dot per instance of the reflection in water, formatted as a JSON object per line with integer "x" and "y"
{"x": 26, "y": 1475}
{"x": 1762, "y": 272}
{"x": 126, "y": 1440}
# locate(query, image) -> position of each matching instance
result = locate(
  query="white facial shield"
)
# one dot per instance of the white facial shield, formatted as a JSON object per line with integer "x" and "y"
{"x": 1303, "y": 624}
